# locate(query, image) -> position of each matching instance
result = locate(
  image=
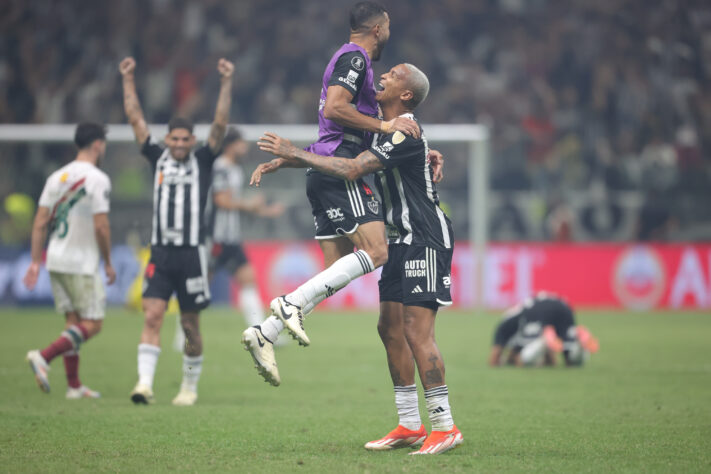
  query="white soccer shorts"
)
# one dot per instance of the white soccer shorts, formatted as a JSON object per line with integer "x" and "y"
{"x": 81, "y": 293}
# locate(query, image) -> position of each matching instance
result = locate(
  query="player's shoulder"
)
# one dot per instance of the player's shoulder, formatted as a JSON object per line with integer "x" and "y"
{"x": 221, "y": 163}
{"x": 401, "y": 140}
{"x": 353, "y": 59}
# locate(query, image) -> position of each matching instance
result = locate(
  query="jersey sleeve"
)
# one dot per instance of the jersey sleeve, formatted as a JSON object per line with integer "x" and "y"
{"x": 349, "y": 72}
{"x": 100, "y": 195}
{"x": 205, "y": 155}
{"x": 151, "y": 150}
{"x": 397, "y": 149}
{"x": 220, "y": 178}
{"x": 47, "y": 198}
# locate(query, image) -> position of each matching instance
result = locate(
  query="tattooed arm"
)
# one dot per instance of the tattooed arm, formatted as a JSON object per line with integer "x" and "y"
{"x": 346, "y": 168}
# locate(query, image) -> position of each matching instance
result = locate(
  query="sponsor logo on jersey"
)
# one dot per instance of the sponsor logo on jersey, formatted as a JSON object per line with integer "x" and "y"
{"x": 352, "y": 76}
{"x": 64, "y": 177}
{"x": 384, "y": 149}
{"x": 357, "y": 63}
{"x": 335, "y": 214}
{"x": 447, "y": 281}
{"x": 194, "y": 285}
{"x": 415, "y": 268}
{"x": 398, "y": 137}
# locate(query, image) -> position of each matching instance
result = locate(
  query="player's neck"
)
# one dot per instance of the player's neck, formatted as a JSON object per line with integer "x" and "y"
{"x": 366, "y": 43}
{"x": 86, "y": 156}
{"x": 393, "y": 110}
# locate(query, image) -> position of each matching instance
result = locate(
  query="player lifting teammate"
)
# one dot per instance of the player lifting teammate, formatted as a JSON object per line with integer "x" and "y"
{"x": 346, "y": 211}
{"x": 178, "y": 260}
{"x": 416, "y": 279}
{"x": 74, "y": 205}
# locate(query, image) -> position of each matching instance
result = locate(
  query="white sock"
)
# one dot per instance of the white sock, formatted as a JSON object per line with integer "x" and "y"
{"x": 343, "y": 271}
{"x": 271, "y": 327}
{"x": 437, "y": 399}
{"x": 533, "y": 352}
{"x": 147, "y": 361}
{"x": 308, "y": 307}
{"x": 407, "y": 407}
{"x": 192, "y": 368}
{"x": 251, "y": 305}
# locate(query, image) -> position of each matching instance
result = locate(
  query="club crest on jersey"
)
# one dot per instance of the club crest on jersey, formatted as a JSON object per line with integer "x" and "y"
{"x": 373, "y": 206}
{"x": 385, "y": 149}
{"x": 357, "y": 63}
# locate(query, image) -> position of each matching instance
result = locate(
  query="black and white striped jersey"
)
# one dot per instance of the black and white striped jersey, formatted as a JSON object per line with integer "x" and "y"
{"x": 409, "y": 196}
{"x": 180, "y": 191}
{"x": 225, "y": 223}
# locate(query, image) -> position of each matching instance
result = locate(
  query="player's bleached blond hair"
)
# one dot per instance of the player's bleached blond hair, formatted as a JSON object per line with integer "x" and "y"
{"x": 418, "y": 83}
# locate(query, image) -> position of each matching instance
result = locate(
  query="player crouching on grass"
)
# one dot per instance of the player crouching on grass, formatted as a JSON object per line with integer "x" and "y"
{"x": 75, "y": 206}
{"x": 533, "y": 332}
{"x": 416, "y": 279}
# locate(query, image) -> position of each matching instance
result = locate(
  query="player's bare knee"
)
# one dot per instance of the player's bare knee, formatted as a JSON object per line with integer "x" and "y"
{"x": 378, "y": 254}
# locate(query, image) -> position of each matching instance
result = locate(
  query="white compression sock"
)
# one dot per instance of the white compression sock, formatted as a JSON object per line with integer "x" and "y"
{"x": 271, "y": 327}
{"x": 343, "y": 271}
{"x": 147, "y": 361}
{"x": 251, "y": 305}
{"x": 192, "y": 368}
{"x": 437, "y": 399}
{"x": 407, "y": 407}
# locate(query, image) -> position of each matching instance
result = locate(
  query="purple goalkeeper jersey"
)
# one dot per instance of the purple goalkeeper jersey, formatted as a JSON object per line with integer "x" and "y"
{"x": 349, "y": 68}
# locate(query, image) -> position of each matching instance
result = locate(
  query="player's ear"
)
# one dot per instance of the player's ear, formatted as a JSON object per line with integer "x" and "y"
{"x": 406, "y": 95}
{"x": 192, "y": 140}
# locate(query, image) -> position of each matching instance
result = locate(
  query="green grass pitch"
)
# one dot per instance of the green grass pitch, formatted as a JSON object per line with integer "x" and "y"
{"x": 642, "y": 404}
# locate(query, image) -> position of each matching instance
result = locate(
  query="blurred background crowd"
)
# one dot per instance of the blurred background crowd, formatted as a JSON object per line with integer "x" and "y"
{"x": 600, "y": 112}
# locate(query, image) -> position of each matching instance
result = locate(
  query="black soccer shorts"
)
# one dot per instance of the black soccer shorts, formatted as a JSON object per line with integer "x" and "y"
{"x": 180, "y": 270}
{"x": 227, "y": 256}
{"x": 340, "y": 206}
{"x": 417, "y": 276}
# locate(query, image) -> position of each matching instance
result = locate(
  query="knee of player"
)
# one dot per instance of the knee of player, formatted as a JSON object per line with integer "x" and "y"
{"x": 153, "y": 318}
{"x": 378, "y": 255}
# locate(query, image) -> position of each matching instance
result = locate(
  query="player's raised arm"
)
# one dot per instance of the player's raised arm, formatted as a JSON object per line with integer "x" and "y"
{"x": 224, "y": 101}
{"x": 130, "y": 100}
{"x": 346, "y": 168}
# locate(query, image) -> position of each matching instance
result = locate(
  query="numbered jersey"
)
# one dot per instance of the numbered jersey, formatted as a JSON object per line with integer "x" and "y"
{"x": 73, "y": 194}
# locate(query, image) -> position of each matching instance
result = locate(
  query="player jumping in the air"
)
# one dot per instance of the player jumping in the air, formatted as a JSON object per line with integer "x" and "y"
{"x": 346, "y": 211}
{"x": 74, "y": 207}
{"x": 416, "y": 279}
{"x": 178, "y": 261}
{"x": 532, "y": 333}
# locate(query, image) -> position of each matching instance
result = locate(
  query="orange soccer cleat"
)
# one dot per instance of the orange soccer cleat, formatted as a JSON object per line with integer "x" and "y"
{"x": 440, "y": 441}
{"x": 587, "y": 340}
{"x": 400, "y": 437}
{"x": 552, "y": 340}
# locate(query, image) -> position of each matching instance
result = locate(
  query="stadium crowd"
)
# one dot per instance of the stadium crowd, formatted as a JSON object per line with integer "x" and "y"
{"x": 609, "y": 94}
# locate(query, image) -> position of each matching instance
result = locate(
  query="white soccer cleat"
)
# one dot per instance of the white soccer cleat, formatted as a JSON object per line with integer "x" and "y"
{"x": 41, "y": 369}
{"x": 400, "y": 437}
{"x": 81, "y": 392}
{"x": 262, "y": 352}
{"x": 142, "y": 394}
{"x": 185, "y": 398}
{"x": 291, "y": 316}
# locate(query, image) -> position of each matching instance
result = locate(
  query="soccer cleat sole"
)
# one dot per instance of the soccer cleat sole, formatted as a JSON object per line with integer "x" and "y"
{"x": 394, "y": 443}
{"x": 42, "y": 382}
{"x": 263, "y": 372}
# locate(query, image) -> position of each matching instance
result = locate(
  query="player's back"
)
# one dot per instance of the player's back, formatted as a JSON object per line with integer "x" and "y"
{"x": 73, "y": 194}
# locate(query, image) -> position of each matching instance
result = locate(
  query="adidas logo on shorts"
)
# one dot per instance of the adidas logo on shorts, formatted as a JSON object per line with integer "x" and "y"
{"x": 417, "y": 289}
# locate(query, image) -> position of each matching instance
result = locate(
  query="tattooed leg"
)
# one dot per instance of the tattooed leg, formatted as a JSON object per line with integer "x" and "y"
{"x": 419, "y": 332}
{"x": 391, "y": 330}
